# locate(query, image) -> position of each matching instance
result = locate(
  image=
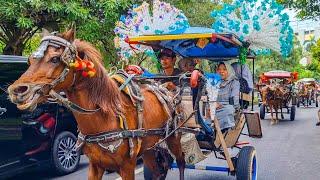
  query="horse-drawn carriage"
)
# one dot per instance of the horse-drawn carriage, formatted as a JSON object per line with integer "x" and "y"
{"x": 276, "y": 91}
{"x": 307, "y": 92}
{"x": 124, "y": 140}
{"x": 131, "y": 114}
{"x": 202, "y": 100}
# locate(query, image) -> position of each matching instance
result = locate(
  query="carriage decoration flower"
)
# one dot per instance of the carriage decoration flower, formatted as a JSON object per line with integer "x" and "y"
{"x": 263, "y": 24}
{"x": 164, "y": 19}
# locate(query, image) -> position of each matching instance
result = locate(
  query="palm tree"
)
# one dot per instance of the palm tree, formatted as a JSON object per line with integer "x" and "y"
{"x": 309, "y": 43}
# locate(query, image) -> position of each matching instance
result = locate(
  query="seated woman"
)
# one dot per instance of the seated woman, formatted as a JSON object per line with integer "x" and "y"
{"x": 228, "y": 97}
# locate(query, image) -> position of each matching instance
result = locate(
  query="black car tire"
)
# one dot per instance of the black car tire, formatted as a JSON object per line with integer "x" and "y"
{"x": 65, "y": 159}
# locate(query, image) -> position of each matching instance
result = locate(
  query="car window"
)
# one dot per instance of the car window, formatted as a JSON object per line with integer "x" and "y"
{"x": 9, "y": 72}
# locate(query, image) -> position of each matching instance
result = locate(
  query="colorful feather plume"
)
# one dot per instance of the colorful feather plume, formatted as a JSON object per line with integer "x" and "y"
{"x": 262, "y": 23}
{"x": 164, "y": 19}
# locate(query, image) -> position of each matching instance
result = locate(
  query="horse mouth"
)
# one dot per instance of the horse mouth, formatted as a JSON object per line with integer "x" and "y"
{"x": 27, "y": 101}
{"x": 30, "y": 104}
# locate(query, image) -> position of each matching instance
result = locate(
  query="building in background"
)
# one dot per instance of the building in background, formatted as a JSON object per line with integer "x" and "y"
{"x": 307, "y": 32}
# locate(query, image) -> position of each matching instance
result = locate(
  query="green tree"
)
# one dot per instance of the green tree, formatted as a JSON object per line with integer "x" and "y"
{"x": 315, "y": 51}
{"x": 275, "y": 61}
{"x": 309, "y": 43}
{"x": 21, "y": 19}
{"x": 197, "y": 11}
{"x": 307, "y": 9}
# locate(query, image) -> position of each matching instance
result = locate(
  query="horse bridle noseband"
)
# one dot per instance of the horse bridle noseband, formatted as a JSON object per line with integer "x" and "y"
{"x": 68, "y": 56}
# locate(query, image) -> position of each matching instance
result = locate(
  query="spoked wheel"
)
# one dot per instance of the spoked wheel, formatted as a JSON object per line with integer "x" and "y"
{"x": 262, "y": 111}
{"x": 65, "y": 157}
{"x": 247, "y": 167}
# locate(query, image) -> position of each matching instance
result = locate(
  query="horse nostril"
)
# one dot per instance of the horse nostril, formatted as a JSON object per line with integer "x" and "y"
{"x": 23, "y": 89}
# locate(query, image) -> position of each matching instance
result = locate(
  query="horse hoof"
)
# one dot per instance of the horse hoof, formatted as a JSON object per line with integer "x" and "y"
{"x": 272, "y": 122}
{"x": 318, "y": 124}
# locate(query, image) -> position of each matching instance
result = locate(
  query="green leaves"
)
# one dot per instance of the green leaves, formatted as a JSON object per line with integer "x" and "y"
{"x": 307, "y": 9}
{"x": 24, "y": 22}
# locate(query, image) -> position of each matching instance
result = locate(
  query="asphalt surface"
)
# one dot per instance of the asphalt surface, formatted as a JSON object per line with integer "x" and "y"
{"x": 289, "y": 150}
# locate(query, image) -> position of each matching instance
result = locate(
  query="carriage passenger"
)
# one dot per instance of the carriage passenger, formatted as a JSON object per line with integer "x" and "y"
{"x": 228, "y": 97}
{"x": 168, "y": 59}
{"x": 187, "y": 64}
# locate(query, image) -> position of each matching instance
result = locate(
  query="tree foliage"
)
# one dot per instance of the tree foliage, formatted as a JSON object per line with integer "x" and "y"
{"x": 275, "y": 61}
{"x": 21, "y": 19}
{"x": 315, "y": 51}
{"x": 197, "y": 11}
{"x": 307, "y": 9}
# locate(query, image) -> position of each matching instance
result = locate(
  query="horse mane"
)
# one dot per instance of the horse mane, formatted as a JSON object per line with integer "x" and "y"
{"x": 103, "y": 91}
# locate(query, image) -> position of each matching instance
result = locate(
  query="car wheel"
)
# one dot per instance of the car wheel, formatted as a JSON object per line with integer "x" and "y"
{"x": 65, "y": 158}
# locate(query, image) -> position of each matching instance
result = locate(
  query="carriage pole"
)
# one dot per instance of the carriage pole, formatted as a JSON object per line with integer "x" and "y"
{"x": 252, "y": 97}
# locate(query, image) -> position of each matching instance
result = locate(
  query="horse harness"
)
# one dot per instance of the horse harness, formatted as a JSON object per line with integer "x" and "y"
{"x": 110, "y": 140}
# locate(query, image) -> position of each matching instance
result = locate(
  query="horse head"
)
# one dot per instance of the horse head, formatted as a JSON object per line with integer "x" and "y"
{"x": 48, "y": 70}
{"x": 61, "y": 63}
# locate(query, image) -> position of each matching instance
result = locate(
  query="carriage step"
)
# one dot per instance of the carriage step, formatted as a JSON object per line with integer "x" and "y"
{"x": 242, "y": 143}
{"x": 200, "y": 167}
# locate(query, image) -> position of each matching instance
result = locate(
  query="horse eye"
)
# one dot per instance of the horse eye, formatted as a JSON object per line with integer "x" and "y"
{"x": 55, "y": 59}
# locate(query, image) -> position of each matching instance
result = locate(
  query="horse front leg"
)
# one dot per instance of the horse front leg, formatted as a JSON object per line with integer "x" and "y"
{"x": 127, "y": 170}
{"x": 271, "y": 109}
{"x": 276, "y": 109}
{"x": 176, "y": 149}
{"x": 151, "y": 166}
{"x": 95, "y": 172}
{"x": 282, "y": 116}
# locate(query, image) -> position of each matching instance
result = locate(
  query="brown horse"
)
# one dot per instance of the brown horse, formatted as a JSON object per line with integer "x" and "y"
{"x": 306, "y": 93}
{"x": 101, "y": 100}
{"x": 272, "y": 98}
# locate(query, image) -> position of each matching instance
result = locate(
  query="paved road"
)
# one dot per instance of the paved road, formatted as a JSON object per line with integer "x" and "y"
{"x": 288, "y": 151}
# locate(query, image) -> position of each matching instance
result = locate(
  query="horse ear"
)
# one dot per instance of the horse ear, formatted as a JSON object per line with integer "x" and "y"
{"x": 70, "y": 35}
{"x": 45, "y": 32}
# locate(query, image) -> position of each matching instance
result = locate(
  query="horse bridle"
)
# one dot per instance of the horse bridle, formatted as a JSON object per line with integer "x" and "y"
{"x": 68, "y": 56}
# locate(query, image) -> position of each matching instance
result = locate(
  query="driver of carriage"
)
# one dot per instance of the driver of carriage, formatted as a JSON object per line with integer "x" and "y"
{"x": 228, "y": 96}
{"x": 187, "y": 65}
{"x": 168, "y": 59}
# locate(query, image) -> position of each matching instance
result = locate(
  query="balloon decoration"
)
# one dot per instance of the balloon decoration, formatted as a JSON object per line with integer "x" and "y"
{"x": 262, "y": 23}
{"x": 164, "y": 19}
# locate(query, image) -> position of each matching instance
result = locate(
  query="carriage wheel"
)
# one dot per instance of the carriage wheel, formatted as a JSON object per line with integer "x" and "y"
{"x": 262, "y": 111}
{"x": 247, "y": 164}
{"x": 292, "y": 113}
